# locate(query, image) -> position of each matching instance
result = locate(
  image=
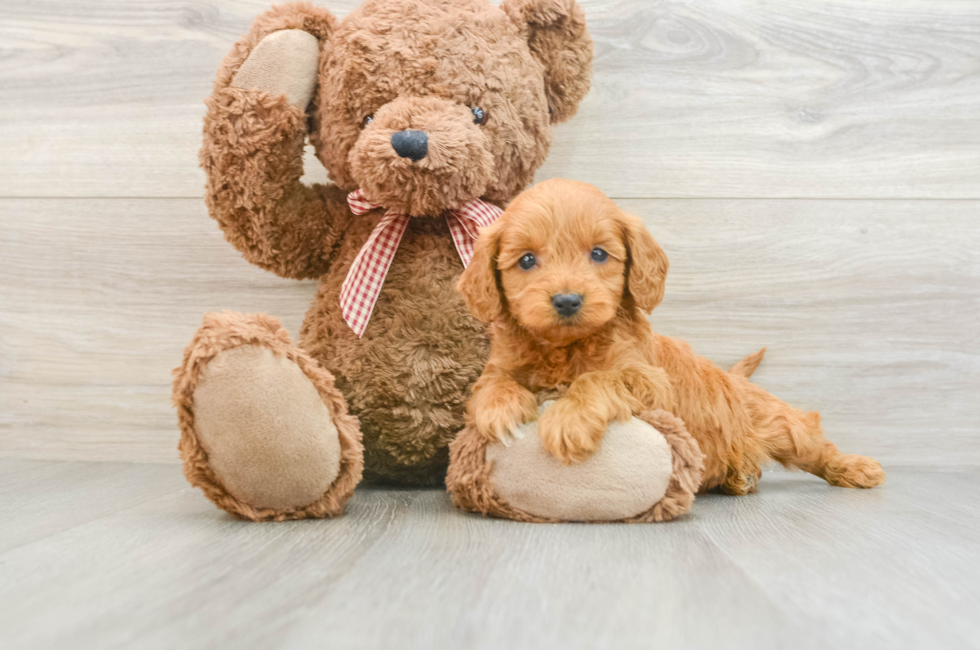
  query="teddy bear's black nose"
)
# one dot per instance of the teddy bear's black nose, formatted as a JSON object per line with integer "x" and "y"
{"x": 411, "y": 144}
{"x": 567, "y": 304}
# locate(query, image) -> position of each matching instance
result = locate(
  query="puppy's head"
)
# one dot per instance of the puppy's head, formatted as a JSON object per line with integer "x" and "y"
{"x": 561, "y": 261}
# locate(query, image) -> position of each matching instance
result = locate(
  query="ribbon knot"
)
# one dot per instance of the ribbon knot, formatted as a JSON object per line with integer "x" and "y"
{"x": 362, "y": 286}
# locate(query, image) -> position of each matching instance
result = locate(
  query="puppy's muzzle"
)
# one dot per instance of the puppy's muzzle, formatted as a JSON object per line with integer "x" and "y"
{"x": 567, "y": 304}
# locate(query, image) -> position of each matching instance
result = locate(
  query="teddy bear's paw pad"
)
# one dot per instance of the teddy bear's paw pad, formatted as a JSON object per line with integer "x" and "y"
{"x": 283, "y": 63}
{"x": 628, "y": 474}
{"x": 269, "y": 437}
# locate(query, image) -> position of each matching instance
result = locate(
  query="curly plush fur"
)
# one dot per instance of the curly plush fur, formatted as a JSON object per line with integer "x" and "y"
{"x": 406, "y": 64}
{"x": 614, "y": 364}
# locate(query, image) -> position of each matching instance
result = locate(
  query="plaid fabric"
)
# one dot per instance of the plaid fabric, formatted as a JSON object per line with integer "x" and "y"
{"x": 362, "y": 286}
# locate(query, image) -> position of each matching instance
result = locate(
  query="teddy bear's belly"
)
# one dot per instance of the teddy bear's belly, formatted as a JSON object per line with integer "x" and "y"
{"x": 409, "y": 378}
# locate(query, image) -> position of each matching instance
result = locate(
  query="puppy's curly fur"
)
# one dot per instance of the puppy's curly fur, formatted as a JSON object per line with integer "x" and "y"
{"x": 606, "y": 352}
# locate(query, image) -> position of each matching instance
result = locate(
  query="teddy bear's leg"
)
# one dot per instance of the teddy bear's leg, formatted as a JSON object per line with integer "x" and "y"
{"x": 264, "y": 432}
{"x": 646, "y": 469}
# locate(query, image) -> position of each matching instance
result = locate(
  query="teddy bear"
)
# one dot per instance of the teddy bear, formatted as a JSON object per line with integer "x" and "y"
{"x": 429, "y": 116}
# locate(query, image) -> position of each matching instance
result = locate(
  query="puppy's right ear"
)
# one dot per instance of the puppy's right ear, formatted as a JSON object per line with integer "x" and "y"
{"x": 478, "y": 284}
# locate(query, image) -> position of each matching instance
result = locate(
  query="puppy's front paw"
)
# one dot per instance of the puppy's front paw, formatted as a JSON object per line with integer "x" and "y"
{"x": 569, "y": 432}
{"x": 499, "y": 416}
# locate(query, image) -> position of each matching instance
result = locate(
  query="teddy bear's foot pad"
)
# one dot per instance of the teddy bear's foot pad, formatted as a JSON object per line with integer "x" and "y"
{"x": 629, "y": 473}
{"x": 269, "y": 437}
{"x": 647, "y": 469}
{"x": 264, "y": 431}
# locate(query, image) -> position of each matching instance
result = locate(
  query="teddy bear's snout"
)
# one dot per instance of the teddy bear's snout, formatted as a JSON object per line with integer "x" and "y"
{"x": 411, "y": 144}
{"x": 423, "y": 155}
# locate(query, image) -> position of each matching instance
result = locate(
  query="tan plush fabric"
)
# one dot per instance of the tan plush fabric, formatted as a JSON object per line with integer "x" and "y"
{"x": 471, "y": 487}
{"x": 630, "y": 472}
{"x": 225, "y": 332}
{"x": 283, "y": 63}
{"x": 269, "y": 437}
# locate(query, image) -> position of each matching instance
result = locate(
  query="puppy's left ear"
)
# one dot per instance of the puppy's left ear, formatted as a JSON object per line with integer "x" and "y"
{"x": 646, "y": 271}
{"x": 478, "y": 283}
{"x": 556, "y": 33}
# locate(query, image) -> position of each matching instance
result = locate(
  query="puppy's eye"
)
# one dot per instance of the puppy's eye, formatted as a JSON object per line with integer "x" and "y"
{"x": 479, "y": 115}
{"x": 527, "y": 261}
{"x": 367, "y": 120}
{"x": 599, "y": 255}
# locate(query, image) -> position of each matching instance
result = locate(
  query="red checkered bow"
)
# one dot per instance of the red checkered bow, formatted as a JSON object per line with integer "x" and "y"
{"x": 363, "y": 283}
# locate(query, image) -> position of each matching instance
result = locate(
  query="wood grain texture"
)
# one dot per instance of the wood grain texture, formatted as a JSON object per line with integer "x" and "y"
{"x": 869, "y": 309}
{"x": 799, "y": 564}
{"x": 43, "y": 498}
{"x": 100, "y": 298}
{"x": 713, "y": 98}
{"x": 923, "y": 525}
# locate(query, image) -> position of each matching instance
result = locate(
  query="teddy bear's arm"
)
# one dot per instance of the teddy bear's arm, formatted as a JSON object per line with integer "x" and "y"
{"x": 254, "y": 132}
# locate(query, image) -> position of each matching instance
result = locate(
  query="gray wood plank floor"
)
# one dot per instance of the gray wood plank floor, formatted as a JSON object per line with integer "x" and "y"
{"x": 117, "y": 555}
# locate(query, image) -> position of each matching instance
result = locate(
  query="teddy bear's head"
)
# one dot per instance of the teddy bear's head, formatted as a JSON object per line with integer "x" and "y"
{"x": 426, "y": 104}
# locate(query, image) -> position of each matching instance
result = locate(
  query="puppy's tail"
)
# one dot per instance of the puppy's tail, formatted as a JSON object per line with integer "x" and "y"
{"x": 747, "y": 366}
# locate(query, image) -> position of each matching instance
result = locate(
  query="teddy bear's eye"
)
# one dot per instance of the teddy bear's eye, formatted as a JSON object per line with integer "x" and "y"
{"x": 367, "y": 120}
{"x": 599, "y": 255}
{"x": 479, "y": 115}
{"x": 527, "y": 261}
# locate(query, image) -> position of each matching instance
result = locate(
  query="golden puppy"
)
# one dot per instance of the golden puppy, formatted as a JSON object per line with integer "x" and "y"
{"x": 565, "y": 277}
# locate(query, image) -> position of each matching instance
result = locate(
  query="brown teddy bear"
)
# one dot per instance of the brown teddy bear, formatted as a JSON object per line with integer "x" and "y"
{"x": 428, "y": 115}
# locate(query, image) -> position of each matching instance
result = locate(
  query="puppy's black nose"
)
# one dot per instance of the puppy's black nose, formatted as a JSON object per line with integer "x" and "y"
{"x": 411, "y": 144}
{"x": 567, "y": 304}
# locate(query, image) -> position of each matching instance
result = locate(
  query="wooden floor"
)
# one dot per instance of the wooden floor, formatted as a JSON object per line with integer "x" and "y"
{"x": 119, "y": 555}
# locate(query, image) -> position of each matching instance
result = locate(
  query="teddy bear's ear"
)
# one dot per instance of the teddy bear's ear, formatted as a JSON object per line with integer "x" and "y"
{"x": 558, "y": 38}
{"x": 478, "y": 284}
